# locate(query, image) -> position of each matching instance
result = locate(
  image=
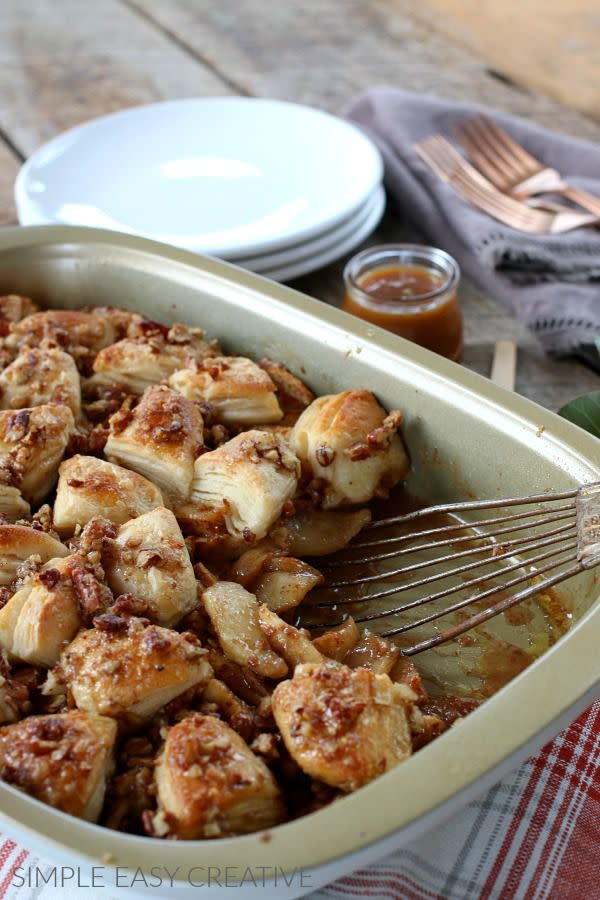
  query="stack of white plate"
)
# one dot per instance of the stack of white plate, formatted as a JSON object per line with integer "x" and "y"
{"x": 274, "y": 187}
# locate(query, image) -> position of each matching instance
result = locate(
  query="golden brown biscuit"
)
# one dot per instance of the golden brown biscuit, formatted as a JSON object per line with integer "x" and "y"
{"x": 160, "y": 439}
{"x": 89, "y": 487}
{"x": 32, "y": 444}
{"x": 342, "y": 726}
{"x": 210, "y": 784}
{"x": 127, "y": 668}
{"x": 19, "y": 542}
{"x": 140, "y": 362}
{"x": 42, "y": 617}
{"x": 14, "y": 307}
{"x": 63, "y": 760}
{"x": 238, "y": 391}
{"x": 251, "y": 477}
{"x": 349, "y": 443}
{"x": 149, "y": 559}
{"x": 39, "y": 376}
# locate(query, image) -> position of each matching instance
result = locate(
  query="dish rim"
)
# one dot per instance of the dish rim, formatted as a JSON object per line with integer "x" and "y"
{"x": 366, "y": 817}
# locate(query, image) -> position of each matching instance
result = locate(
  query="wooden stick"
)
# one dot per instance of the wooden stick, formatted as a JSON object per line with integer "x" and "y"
{"x": 504, "y": 365}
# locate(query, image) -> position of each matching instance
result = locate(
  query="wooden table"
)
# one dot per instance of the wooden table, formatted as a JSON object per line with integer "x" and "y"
{"x": 64, "y": 61}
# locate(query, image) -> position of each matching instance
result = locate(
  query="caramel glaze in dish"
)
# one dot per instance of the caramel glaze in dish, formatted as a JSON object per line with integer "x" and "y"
{"x": 151, "y": 676}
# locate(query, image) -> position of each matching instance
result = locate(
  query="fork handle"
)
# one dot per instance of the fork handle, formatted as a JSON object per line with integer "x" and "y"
{"x": 548, "y": 181}
{"x": 583, "y": 198}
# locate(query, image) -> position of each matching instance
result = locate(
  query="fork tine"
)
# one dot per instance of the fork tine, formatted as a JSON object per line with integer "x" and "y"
{"x": 475, "y": 189}
{"x": 450, "y": 166}
{"x": 491, "y": 171}
{"x": 472, "y": 598}
{"x": 480, "y": 618}
{"x": 504, "y": 208}
{"x": 447, "y": 542}
{"x": 496, "y": 150}
{"x": 524, "y": 544}
{"x": 459, "y": 168}
{"x": 446, "y": 592}
{"x": 510, "y": 145}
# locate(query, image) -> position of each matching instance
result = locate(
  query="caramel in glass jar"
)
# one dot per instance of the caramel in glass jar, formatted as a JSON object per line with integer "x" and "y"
{"x": 410, "y": 290}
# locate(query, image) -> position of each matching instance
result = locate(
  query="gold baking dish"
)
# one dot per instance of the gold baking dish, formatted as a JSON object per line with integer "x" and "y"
{"x": 466, "y": 438}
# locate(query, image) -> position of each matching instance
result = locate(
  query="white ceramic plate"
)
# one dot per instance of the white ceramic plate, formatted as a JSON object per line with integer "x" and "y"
{"x": 229, "y": 176}
{"x": 266, "y": 261}
{"x": 302, "y": 266}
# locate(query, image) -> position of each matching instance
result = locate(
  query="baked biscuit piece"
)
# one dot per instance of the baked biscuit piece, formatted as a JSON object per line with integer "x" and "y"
{"x": 123, "y": 322}
{"x": 40, "y": 376}
{"x": 251, "y": 477}
{"x": 63, "y": 760}
{"x": 32, "y": 443}
{"x": 12, "y": 504}
{"x": 343, "y": 726}
{"x": 14, "y": 307}
{"x": 349, "y": 443}
{"x": 293, "y": 395}
{"x": 127, "y": 668}
{"x": 45, "y": 614}
{"x": 140, "y": 362}
{"x": 79, "y": 333}
{"x": 89, "y": 487}
{"x": 239, "y": 391}
{"x": 18, "y": 543}
{"x": 160, "y": 439}
{"x": 149, "y": 559}
{"x": 210, "y": 784}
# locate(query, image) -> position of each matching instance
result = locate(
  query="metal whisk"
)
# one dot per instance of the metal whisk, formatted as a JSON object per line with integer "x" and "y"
{"x": 558, "y": 541}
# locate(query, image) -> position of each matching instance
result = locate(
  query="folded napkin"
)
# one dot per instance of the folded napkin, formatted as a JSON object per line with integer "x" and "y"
{"x": 550, "y": 282}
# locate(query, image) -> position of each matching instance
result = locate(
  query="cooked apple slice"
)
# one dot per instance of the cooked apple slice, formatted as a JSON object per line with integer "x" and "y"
{"x": 233, "y": 612}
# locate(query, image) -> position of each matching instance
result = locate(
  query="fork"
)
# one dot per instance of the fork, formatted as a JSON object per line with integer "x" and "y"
{"x": 473, "y": 187}
{"x": 511, "y": 168}
{"x": 570, "y": 546}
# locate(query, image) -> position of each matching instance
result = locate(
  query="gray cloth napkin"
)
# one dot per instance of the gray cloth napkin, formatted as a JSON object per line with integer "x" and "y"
{"x": 550, "y": 282}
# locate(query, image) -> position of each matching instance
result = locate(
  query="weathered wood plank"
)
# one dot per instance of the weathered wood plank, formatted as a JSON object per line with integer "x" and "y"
{"x": 554, "y": 46}
{"x": 324, "y": 51}
{"x": 63, "y": 63}
{"x": 9, "y": 166}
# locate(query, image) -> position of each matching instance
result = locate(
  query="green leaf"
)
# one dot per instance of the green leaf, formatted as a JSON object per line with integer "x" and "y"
{"x": 585, "y": 412}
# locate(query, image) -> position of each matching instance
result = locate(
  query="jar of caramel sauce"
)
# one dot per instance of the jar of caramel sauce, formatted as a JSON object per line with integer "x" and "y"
{"x": 410, "y": 290}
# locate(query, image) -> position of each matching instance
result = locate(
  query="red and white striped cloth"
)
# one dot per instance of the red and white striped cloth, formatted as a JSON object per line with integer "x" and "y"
{"x": 535, "y": 835}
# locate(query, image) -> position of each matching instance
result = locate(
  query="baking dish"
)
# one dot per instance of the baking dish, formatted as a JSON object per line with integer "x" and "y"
{"x": 466, "y": 437}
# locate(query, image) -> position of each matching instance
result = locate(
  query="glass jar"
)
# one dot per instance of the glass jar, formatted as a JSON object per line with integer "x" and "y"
{"x": 410, "y": 290}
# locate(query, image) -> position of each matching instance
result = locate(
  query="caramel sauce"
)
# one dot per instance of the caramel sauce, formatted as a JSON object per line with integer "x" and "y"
{"x": 396, "y": 299}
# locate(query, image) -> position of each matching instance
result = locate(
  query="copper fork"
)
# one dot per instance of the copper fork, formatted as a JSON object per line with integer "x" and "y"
{"x": 473, "y": 187}
{"x": 511, "y": 168}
